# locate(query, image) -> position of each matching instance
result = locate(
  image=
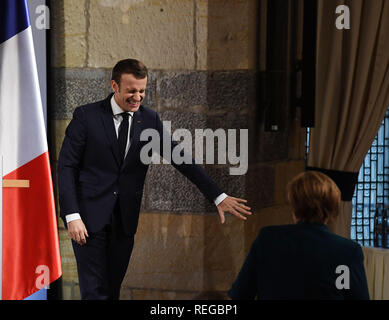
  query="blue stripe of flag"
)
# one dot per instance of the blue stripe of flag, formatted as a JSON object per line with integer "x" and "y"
{"x": 13, "y": 18}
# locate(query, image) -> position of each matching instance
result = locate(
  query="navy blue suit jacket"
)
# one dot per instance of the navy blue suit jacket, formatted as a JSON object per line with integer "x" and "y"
{"x": 299, "y": 262}
{"x": 90, "y": 177}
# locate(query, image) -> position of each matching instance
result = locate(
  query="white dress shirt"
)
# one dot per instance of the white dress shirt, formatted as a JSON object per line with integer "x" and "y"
{"x": 117, "y": 119}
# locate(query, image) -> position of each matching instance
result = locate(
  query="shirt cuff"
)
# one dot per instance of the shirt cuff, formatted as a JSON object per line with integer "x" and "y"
{"x": 72, "y": 217}
{"x": 220, "y": 199}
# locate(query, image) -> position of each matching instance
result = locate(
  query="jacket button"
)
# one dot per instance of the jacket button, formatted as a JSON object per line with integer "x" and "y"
{"x": 115, "y": 193}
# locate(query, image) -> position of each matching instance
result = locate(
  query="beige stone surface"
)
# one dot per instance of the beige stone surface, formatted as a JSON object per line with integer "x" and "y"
{"x": 155, "y": 294}
{"x": 201, "y": 39}
{"x": 277, "y": 215}
{"x": 284, "y": 172}
{"x": 232, "y": 33}
{"x": 223, "y": 252}
{"x": 69, "y": 266}
{"x": 70, "y": 287}
{"x": 66, "y": 291}
{"x": 190, "y": 256}
{"x": 168, "y": 253}
{"x": 185, "y": 252}
{"x": 159, "y": 33}
{"x": 70, "y": 291}
{"x": 58, "y": 134}
{"x": 261, "y": 36}
{"x": 164, "y": 34}
{"x": 68, "y": 33}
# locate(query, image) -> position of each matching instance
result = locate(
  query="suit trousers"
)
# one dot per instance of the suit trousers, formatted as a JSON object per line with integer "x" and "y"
{"x": 102, "y": 262}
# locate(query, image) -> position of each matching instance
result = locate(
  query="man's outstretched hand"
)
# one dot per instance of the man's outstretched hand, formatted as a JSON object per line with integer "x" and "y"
{"x": 234, "y": 206}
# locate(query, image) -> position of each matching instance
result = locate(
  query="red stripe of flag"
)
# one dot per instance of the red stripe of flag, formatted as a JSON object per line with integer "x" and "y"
{"x": 30, "y": 234}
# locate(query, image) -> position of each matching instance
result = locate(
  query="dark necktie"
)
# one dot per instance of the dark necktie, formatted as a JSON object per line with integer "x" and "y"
{"x": 123, "y": 135}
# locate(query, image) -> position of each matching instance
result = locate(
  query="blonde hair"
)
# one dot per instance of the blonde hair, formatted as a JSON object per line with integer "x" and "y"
{"x": 314, "y": 197}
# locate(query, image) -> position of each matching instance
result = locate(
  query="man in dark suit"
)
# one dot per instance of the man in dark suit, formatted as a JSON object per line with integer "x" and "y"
{"x": 304, "y": 260}
{"x": 101, "y": 177}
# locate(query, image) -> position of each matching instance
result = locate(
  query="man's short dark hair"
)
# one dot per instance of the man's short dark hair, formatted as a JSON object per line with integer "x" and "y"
{"x": 129, "y": 66}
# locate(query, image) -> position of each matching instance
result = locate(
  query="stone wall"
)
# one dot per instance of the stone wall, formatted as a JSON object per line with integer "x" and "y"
{"x": 203, "y": 61}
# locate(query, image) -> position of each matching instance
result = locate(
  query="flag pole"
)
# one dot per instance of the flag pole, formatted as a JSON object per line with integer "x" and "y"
{"x": 1, "y": 227}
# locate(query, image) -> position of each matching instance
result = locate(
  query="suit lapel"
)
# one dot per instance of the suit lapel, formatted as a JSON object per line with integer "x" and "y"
{"x": 109, "y": 128}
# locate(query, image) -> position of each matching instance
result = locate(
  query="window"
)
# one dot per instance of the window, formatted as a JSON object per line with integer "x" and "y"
{"x": 372, "y": 189}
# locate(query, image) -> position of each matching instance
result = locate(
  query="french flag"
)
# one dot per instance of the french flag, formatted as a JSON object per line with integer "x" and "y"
{"x": 29, "y": 235}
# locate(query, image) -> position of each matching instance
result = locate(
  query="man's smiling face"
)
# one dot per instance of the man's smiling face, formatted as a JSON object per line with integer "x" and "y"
{"x": 130, "y": 93}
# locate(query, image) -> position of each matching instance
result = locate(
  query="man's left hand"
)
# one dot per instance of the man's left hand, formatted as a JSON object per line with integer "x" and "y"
{"x": 234, "y": 206}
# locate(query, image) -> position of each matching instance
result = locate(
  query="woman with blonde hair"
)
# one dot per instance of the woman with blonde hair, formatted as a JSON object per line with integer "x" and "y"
{"x": 304, "y": 260}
